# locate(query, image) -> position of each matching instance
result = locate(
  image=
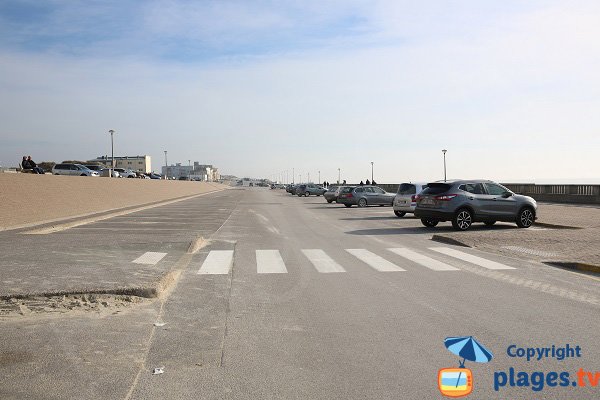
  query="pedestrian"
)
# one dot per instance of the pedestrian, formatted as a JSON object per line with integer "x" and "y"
{"x": 373, "y": 183}
{"x": 343, "y": 183}
{"x": 25, "y": 164}
{"x": 368, "y": 183}
{"x": 361, "y": 183}
{"x": 34, "y": 166}
{"x": 324, "y": 184}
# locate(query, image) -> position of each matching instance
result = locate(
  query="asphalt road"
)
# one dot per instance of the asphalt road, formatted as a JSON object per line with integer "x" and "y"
{"x": 294, "y": 298}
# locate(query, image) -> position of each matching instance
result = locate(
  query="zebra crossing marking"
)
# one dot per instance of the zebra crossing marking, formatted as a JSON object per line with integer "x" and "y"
{"x": 482, "y": 262}
{"x": 149, "y": 258}
{"x": 423, "y": 260}
{"x": 218, "y": 262}
{"x": 322, "y": 262}
{"x": 269, "y": 262}
{"x": 374, "y": 261}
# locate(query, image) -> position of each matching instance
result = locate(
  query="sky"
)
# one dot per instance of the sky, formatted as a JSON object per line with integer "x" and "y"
{"x": 511, "y": 89}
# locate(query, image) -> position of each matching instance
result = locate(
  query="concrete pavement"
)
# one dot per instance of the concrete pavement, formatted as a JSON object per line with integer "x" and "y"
{"x": 337, "y": 321}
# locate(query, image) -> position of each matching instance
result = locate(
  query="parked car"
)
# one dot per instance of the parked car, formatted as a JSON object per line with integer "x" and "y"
{"x": 73, "y": 169}
{"x": 466, "y": 201}
{"x": 107, "y": 173}
{"x": 308, "y": 189}
{"x": 95, "y": 167}
{"x": 291, "y": 189}
{"x": 331, "y": 194}
{"x": 363, "y": 196}
{"x": 405, "y": 200}
{"x": 126, "y": 173}
{"x": 345, "y": 192}
{"x": 152, "y": 175}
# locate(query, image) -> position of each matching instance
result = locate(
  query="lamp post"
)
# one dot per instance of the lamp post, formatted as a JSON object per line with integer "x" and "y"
{"x": 319, "y": 178}
{"x": 166, "y": 166}
{"x": 371, "y": 172}
{"x": 338, "y": 176}
{"x": 112, "y": 152}
{"x": 444, "y": 151}
{"x": 190, "y": 171}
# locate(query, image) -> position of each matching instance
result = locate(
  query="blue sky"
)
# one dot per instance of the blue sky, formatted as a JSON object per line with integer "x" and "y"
{"x": 510, "y": 88}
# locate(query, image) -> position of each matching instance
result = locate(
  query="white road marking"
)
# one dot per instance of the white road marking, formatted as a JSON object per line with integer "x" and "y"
{"x": 423, "y": 260}
{"x": 218, "y": 262}
{"x": 322, "y": 262}
{"x": 482, "y": 262}
{"x": 150, "y": 258}
{"x": 269, "y": 262}
{"x": 374, "y": 261}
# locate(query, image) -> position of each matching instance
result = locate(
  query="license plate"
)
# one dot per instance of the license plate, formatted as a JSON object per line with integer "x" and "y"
{"x": 427, "y": 202}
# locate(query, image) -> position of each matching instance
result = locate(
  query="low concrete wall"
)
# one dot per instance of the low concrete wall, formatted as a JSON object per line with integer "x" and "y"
{"x": 579, "y": 194}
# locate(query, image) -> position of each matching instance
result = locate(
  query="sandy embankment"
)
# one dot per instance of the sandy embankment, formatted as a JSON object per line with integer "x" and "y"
{"x": 27, "y": 199}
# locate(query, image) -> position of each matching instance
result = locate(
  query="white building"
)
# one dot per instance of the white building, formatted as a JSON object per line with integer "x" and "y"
{"x": 136, "y": 163}
{"x": 197, "y": 172}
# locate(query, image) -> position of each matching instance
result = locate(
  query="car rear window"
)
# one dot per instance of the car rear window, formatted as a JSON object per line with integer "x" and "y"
{"x": 407, "y": 188}
{"x": 437, "y": 188}
{"x": 332, "y": 188}
{"x": 347, "y": 189}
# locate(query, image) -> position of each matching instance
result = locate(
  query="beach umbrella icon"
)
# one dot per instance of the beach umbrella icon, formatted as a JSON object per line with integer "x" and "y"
{"x": 469, "y": 349}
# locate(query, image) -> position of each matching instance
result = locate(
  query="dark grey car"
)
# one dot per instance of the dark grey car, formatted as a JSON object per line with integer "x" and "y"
{"x": 466, "y": 201}
{"x": 363, "y": 196}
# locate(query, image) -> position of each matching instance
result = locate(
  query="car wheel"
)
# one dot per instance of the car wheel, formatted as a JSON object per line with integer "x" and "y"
{"x": 83, "y": 175}
{"x": 399, "y": 214}
{"x": 362, "y": 202}
{"x": 348, "y": 205}
{"x": 306, "y": 194}
{"x": 330, "y": 201}
{"x": 130, "y": 176}
{"x": 462, "y": 220}
{"x": 525, "y": 218}
{"x": 489, "y": 223}
{"x": 299, "y": 194}
{"x": 429, "y": 223}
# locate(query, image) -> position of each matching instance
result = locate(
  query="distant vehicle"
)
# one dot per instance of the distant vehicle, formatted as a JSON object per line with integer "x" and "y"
{"x": 95, "y": 167}
{"x": 126, "y": 173}
{"x": 405, "y": 200}
{"x": 366, "y": 195}
{"x": 106, "y": 173}
{"x": 310, "y": 188}
{"x": 184, "y": 178}
{"x": 344, "y": 193}
{"x": 466, "y": 201}
{"x": 152, "y": 175}
{"x": 291, "y": 189}
{"x": 331, "y": 194}
{"x": 73, "y": 169}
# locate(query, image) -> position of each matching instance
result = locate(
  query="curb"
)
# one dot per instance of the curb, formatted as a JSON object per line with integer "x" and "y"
{"x": 448, "y": 240}
{"x": 556, "y": 226}
{"x": 578, "y": 266}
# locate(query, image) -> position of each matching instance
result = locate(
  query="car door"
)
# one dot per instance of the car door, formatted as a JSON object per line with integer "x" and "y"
{"x": 382, "y": 197}
{"x": 371, "y": 196}
{"x": 477, "y": 198}
{"x": 505, "y": 207}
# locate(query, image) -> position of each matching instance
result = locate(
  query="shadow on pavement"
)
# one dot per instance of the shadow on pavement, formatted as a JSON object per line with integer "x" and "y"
{"x": 423, "y": 230}
{"x": 392, "y": 217}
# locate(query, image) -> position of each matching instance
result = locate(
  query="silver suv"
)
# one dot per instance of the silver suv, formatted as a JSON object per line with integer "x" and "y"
{"x": 73, "y": 169}
{"x": 406, "y": 198}
{"x": 466, "y": 201}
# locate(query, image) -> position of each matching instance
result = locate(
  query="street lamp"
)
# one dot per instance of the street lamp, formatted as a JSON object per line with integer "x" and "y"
{"x": 166, "y": 166}
{"x": 371, "y": 172}
{"x": 444, "y": 151}
{"x": 338, "y": 176}
{"x": 319, "y": 177}
{"x": 190, "y": 171}
{"x": 112, "y": 150}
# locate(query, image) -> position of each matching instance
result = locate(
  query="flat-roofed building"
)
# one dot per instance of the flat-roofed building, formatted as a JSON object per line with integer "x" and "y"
{"x": 136, "y": 163}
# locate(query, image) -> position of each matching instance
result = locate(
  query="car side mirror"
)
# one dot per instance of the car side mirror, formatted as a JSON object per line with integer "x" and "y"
{"x": 506, "y": 195}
